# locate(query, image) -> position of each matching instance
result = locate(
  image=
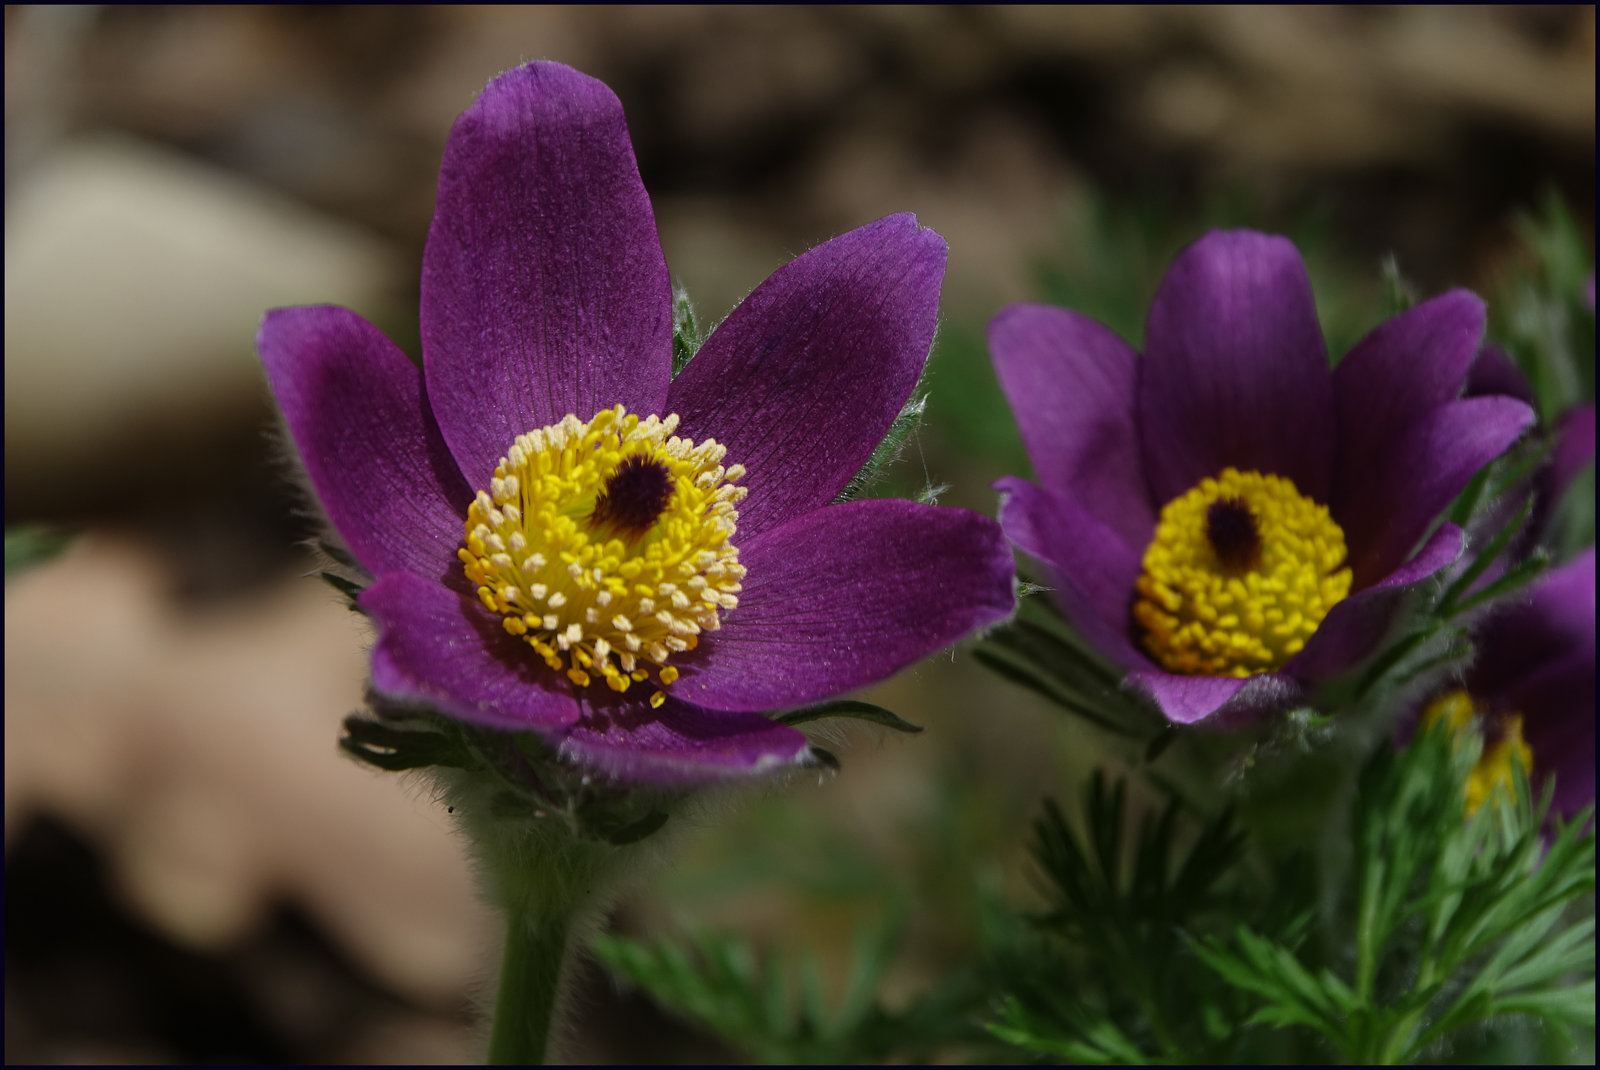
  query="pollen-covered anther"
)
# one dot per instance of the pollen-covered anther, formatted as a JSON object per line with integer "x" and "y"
{"x": 1241, "y": 572}
{"x": 606, "y": 544}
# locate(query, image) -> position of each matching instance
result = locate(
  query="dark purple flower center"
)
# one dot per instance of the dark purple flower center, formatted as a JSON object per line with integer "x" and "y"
{"x": 1231, "y": 530}
{"x": 634, "y": 496}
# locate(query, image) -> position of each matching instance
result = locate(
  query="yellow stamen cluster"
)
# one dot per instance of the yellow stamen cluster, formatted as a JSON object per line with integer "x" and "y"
{"x": 600, "y": 592}
{"x": 1249, "y": 608}
{"x": 1493, "y": 771}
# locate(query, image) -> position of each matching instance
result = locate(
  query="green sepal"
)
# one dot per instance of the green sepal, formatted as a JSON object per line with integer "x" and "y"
{"x": 350, "y": 589}
{"x": 1399, "y": 295}
{"x": 603, "y": 816}
{"x": 1519, "y": 575}
{"x": 1040, "y": 651}
{"x": 852, "y": 710}
{"x": 685, "y": 332}
{"x": 825, "y": 758}
{"x": 28, "y": 545}
{"x": 1491, "y": 553}
{"x": 394, "y": 748}
{"x": 647, "y": 825}
{"x": 337, "y": 553}
{"x": 519, "y": 776}
{"x": 1159, "y": 743}
{"x": 886, "y": 451}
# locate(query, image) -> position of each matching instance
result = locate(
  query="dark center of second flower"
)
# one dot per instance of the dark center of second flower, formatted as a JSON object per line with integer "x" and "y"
{"x": 1240, "y": 574}
{"x": 1231, "y": 529}
{"x": 634, "y": 496}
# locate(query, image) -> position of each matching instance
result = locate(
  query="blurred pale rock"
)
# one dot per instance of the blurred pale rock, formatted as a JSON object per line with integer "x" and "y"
{"x": 135, "y": 279}
{"x": 198, "y": 748}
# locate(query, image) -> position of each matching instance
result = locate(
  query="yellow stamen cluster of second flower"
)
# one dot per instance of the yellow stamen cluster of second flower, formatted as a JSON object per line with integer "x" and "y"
{"x": 1246, "y": 600}
{"x": 607, "y": 545}
{"x": 1493, "y": 771}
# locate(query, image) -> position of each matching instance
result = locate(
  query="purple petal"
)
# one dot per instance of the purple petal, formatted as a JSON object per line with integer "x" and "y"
{"x": 1557, "y": 704}
{"x": 1070, "y": 382}
{"x": 1426, "y": 468}
{"x": 544, "y": 291}
{"x": 1091, "y": 569}
{"x": 1396, "y": 377}
{"x": 360, "y": 420}
{"x": 1537, "y": 658}
{"x": 1356, "y": 625}
{"x": 679, "y": 743}
{"x": 1550, "y": 621}
{"x": 803, "y": 379}
{"x": 1222, "y": 701}
{"x": 1574, "y": 449}
{"x": 1495, "y": 373}
{"x": 847, "y": 595}
{"x": 1235, "y": 371}
{"x": 444, "y": 650}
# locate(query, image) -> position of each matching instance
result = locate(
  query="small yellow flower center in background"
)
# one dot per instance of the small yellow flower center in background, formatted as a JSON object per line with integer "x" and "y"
{"x": 1240, "y": 573}
{"x": 607, "y": 545}
{"x": 1493, "y": 771}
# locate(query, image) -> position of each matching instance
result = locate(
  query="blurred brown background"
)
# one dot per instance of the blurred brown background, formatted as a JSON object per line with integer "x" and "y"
{"x": 192, "y": 873}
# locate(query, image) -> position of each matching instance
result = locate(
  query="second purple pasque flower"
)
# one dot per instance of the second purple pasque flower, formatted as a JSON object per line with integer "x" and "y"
{"x": 568, "y": 540}
{"x": 1225, "y": 517}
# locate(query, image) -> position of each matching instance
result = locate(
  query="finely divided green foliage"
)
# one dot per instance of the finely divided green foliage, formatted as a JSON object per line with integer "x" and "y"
{"x": 1455, "y": 924}
{"x": 1440, "y": 929}
{"x": 1458, "y": 929}
{"x": 772, "y": 1013}
{"x": 1110, "y": 977}
{"x": 1539, "y": 316}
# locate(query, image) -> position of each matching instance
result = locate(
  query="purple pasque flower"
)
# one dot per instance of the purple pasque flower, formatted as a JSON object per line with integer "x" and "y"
{"x": 566, "y": 539}
{"x": 1533, "y": 685}
{"x": 1224, "y": 517}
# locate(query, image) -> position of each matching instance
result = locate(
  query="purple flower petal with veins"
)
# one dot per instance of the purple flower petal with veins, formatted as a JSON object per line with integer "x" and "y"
{"x": 559, "y": 530}
{"x": 1536, "y": 662}
{"x": 1225, "y": 517}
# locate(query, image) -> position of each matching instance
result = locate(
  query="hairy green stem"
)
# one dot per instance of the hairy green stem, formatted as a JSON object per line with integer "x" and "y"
{"x": 530, "y": 984}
